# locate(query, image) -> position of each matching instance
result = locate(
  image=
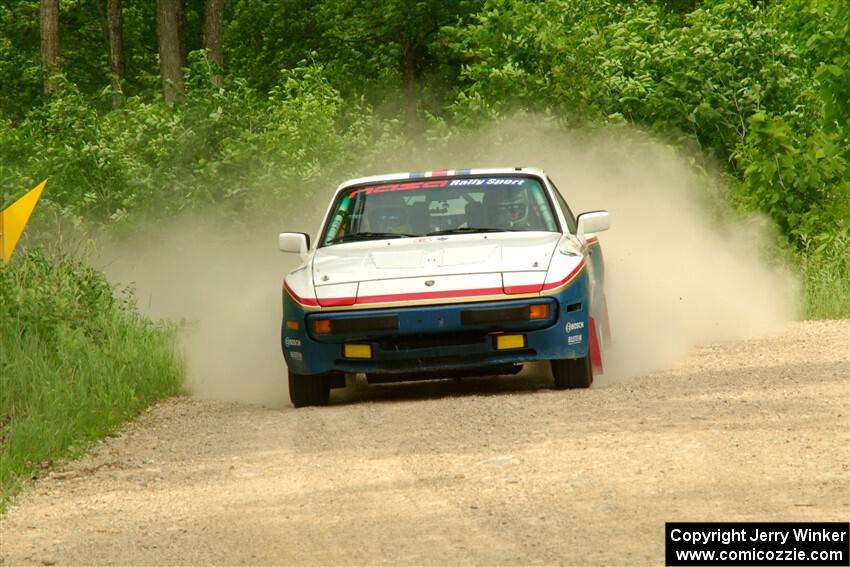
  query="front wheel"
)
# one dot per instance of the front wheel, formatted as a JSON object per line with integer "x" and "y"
{"x": 571, "y": 373}
{"x": 309, "y": 390}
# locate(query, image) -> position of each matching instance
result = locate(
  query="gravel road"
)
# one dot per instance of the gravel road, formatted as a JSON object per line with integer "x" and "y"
{"x": 484, "y": 471}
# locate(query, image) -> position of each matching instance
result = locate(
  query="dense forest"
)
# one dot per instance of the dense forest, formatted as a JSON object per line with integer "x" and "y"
{"x": 119, "y": 100}
{"x": 140, "y": 110}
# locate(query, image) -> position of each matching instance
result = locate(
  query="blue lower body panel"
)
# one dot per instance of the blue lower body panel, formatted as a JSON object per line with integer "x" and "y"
{"x": 435, "y": 338}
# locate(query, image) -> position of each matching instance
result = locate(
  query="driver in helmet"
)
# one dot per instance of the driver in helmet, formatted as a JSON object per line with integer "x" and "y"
{"x": 507, "y": 207}
{"x": 387, "y": 213}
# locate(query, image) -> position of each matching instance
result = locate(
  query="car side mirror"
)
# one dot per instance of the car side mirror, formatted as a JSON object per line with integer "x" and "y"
{"x": 294, "y": 242}
{"x": 591, "y": 222}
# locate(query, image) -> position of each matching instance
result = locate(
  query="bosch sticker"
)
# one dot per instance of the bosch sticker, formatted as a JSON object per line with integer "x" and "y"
{"x": 574, "y": 326}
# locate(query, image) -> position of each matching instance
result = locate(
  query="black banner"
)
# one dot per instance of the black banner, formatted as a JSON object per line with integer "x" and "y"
{"x": 757, "y": 543}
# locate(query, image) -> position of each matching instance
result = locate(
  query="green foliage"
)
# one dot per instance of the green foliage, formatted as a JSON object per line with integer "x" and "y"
{"x": 535, "y": 54}
{"x": 705, "y": 77}
{"x": 831, "y": 46}
{"x": 799, "y": 172}
{"x": 802, "y": 182}
{"x": 763, "y": 90}
{"x": 303, "y": 128}
{"x": 74, "y": 363}
{"x": 369, "y": 48}
{"x": 291, "y": 33}
{"x": 230, "y": 147}
{"x": 20, "y": 72}
{"x": 703, "y": 74}
{"x": 826, "y": 286}
{"x": 41, "y": 297}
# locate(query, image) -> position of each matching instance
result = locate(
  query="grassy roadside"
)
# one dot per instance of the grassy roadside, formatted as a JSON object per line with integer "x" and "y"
{"x": 826, "y": 281}
{"x": 75, "y": 362}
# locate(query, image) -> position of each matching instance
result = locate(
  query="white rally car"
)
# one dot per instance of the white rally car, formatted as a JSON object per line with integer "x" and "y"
{"x": 442, "y": 274}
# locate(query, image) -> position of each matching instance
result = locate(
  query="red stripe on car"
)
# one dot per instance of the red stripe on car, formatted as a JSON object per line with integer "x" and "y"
{"x": 595, "y": 353}
{"x": 570, "y": 276}
{"x": 302, "y": 300}
{"x": 448, "y": 294}
{"x": 389, "y": 298}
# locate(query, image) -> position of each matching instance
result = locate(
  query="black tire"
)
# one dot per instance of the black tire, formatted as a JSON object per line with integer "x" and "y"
{"x": 309, "y": 390}
{"x": 571, "y": 373}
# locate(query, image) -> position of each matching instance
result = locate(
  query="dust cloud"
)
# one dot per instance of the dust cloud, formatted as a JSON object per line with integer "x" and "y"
{"x": 681, "y": 269}
{"x": 224, "y": 288}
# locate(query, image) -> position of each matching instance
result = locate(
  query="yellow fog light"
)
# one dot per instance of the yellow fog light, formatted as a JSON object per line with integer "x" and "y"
{"x": 357, "y": 351}
{"x": 504, "y": 342}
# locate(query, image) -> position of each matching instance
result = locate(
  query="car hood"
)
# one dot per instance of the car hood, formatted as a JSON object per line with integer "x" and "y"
{"x": 433, "y": 256}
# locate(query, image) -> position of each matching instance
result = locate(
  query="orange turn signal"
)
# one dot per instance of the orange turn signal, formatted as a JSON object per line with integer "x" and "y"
{"x": 292, "y": 325}
{"x": 538, "y": 311}
{"x": 322, "y": 326}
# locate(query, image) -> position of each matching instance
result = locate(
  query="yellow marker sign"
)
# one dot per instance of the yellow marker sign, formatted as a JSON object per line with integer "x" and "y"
{"x": 14, "y": 219}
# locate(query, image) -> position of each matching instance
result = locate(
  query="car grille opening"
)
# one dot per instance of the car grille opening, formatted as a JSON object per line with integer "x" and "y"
{"x": 491, "y": 316}
{"x": 361, "y": 324}
{"x": 415, "y": 365}
{"x": 435, "y": 340}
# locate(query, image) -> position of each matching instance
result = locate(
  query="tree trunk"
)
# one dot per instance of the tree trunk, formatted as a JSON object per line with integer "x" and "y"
{"x": 213, "y": 35}
{"x": 116, "y": 51}
{"x": 112, "y": 26}
{"x": 181, "y": 33}
{"x": 49, "y": 18}
{"x": 168, "y": 14}
{"x": 408, "y": 80}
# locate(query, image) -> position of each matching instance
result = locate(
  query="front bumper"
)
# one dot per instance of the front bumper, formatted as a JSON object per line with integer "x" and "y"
{"x": 429, "y": 339}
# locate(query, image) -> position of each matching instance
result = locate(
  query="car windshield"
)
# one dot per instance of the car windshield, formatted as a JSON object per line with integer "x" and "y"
{"x": 439, "y": 206}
